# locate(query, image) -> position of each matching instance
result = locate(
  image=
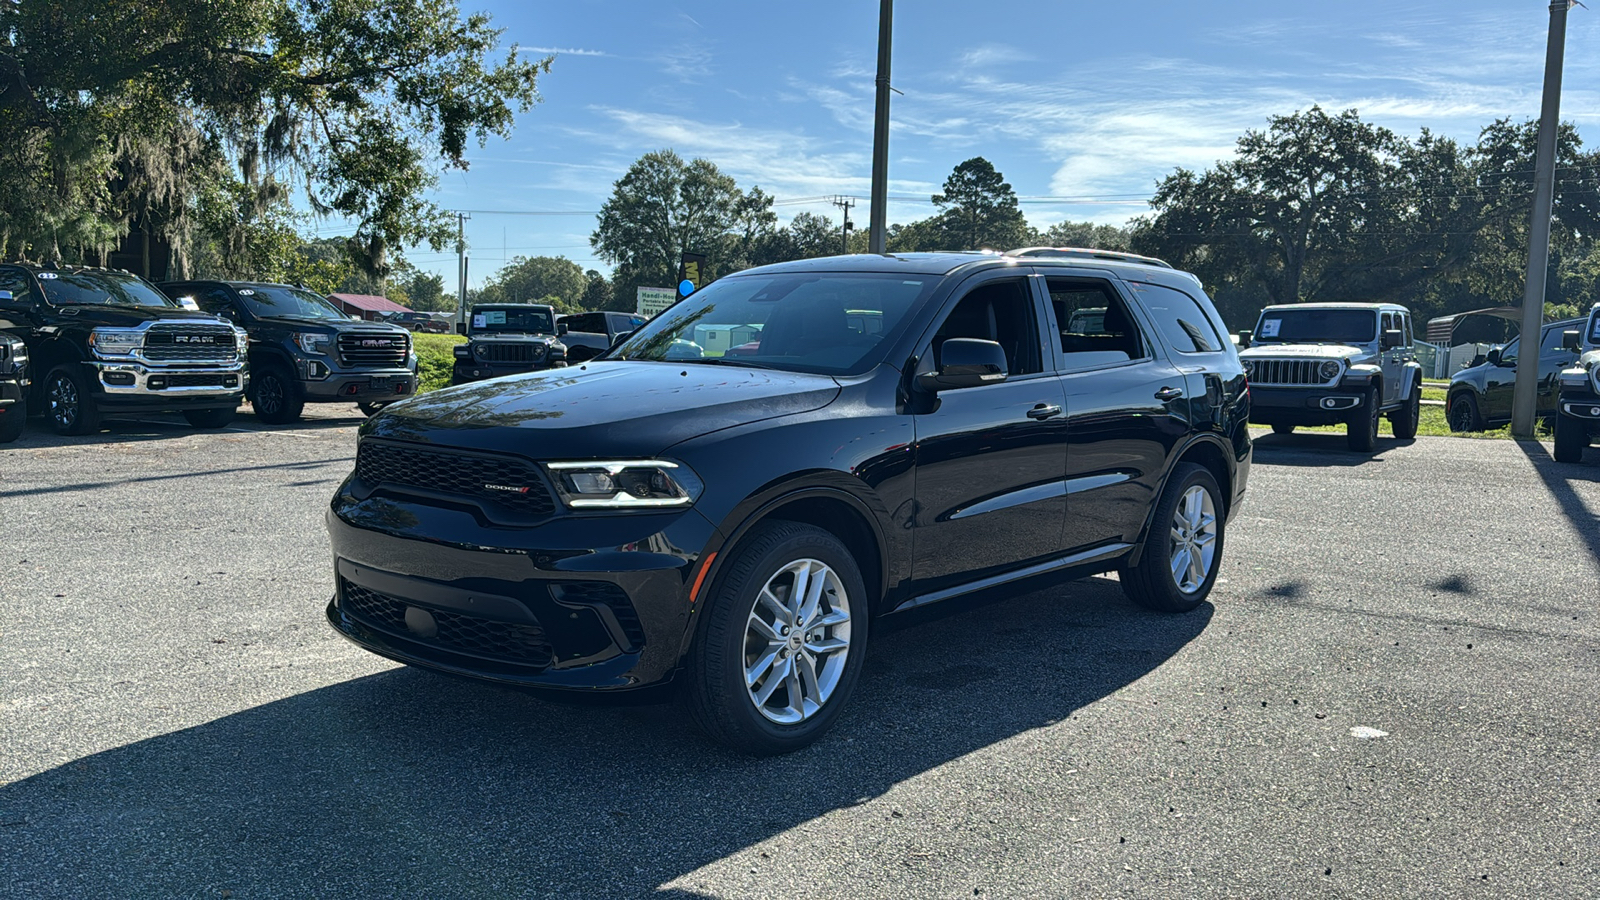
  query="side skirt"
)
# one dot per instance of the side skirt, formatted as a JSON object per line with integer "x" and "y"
{"x": 1082, "y": 558}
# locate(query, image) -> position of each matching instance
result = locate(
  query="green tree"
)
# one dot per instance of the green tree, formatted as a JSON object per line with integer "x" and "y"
{"x": 978, "y": 209}
{"x": 532, "y": 280}
{"x": 1087, "y": 235}
{"x": 597, "y": 292}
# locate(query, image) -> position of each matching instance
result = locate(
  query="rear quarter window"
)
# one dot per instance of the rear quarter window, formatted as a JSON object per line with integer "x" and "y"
{"x": 1180, "y": 319}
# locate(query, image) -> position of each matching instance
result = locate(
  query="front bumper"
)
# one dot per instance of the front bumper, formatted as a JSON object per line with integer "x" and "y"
{"x": 1304, "y": 406}
{"x": 579, "y": 603}
{"x": 1582, "y": 406}
{"x": 12, "y": 391}
{"x": 130, "y": 385}
{"x": 332, "y": 385}
{"x": 476, "y": 370}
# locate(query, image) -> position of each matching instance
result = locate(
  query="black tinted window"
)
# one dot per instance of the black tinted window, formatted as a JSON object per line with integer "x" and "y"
{"x": 1094, "y": 325}
{"x": 1182, "y": 322}
{"x": 513, "y": 319}
{"x": 17, "y": 283}
{"x": 1001, "y": 312}
{"x": 67, "y": 288}
{"x": 1313, "y": 326}
{"x": 1552, "y": 338}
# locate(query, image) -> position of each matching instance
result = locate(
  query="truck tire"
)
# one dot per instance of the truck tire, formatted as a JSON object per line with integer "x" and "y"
{"x": 273, "y": 394}
{"x": 1280, "y": 428}
{"x": 12, "y": 421}
{"x": 1361, "y": 433}
{"x": 220, "y": 417}
{"x": 371, "y": 409}
{"x": 1571, "y": 438}
{"x": 1404, "y": 420}
{"x": 68, "y": 402}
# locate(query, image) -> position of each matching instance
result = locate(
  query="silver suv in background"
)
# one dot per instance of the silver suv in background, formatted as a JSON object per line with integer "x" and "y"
{"x": 1333, "y": 364}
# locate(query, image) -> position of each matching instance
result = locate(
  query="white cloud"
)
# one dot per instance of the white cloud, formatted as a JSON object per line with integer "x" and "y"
{"x": 566, "y": 51}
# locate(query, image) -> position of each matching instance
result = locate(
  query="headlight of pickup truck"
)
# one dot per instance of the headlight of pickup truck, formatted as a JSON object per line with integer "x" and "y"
{"x": 624, "y": 484}
{"x": 115, "y": 341}
{"x": 241, "y": 340}
{"x": 312, "y": 343}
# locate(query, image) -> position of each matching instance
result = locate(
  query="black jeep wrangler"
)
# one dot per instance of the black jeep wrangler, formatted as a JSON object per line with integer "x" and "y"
{"x": 505, "y": 339}
{"x": 304, "y": 350}
{"x": 13, "y": 387}
{"x": 102, "y": 342}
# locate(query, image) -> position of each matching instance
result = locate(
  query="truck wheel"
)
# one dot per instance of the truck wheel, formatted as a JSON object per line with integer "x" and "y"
{"x": 1464, "y": 413}
{"x": 1183, "y": 549}
{"x": 12, "y": 421}
{"x": 68, "y": 401}
{"x": 371, "y": 409}
{"x": 1404, "y": 420}
{"x": 1280, "y": 428}
{"x": 1571, "y": 439}
{"x": 783, "y": 643}
{"x": 210, "y": 418}
{"x": 273, "y": 394}
{"x": 1361, "y": 434}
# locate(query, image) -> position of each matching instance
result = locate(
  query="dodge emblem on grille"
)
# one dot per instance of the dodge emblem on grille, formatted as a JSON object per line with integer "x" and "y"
{"x": 506, "y": 487}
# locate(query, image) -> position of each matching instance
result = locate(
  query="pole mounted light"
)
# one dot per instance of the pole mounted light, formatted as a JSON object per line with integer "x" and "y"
{"x": 1524, "y": 396}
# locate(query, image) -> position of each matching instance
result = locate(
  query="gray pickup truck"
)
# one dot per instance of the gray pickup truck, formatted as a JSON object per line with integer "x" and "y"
{"x": 590, "y": 334}
{"x": 1578, "y": 409}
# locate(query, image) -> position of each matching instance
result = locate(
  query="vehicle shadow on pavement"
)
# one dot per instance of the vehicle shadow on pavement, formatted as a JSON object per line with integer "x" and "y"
{"x": 341, "y": 464}
{"x": 1558, "y": 478}
{"x": 1320, "y": 450}
{"x": 409, "y": 784}
{"x": 38, "y": 434}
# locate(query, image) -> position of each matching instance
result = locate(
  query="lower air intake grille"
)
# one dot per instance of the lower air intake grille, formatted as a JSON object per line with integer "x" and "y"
{"x": 515, "y": 642}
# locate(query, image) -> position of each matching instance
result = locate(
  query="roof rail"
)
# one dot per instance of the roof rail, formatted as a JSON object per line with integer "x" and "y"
{"x": 1088, "y": 253}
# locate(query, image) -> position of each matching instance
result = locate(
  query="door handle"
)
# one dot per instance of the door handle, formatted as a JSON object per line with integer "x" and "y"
{"x": 1044, "y": 411}
{"x": 1169, "y": 393}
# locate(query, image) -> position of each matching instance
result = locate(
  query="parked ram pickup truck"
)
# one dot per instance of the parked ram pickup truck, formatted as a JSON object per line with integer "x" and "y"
{"x": 13, "y": 387}
{"x": 1578, "y": 409}
{"x": 1334, "y": 364}
{"x": 304, "y": 350}
{"x": 508, "y": 339}
{"x": 103, "y": 342}
{"x": 590, "y": 334}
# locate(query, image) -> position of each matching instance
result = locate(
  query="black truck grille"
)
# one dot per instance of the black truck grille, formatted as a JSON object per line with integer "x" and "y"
{"x": 516, "y": 642}
{"x": 511, "y": 353}
{"x": 375, "y": 351}
{"x": 505, "y": 481}
{"x": 182, "y": 379}
{"x": 190, "y": 343}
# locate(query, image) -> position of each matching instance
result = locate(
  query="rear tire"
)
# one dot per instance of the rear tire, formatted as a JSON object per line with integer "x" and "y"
{"x": 273, "y": 395}
{"x": 68, "y": 401}
{"x": 1404, "y": 420}
{"x": 1183, "y": 549}
{"x": 783, "y": 643}
{"x": 1464, "y": 415}
{"x": 1278, "y": 428}
{"x": 1572, "y": 436}
{"x": 371, "y": 409}
{"x": 1361, "y": 434}
{"x": 210, "y": 418}
{"x": 13, "y": 420}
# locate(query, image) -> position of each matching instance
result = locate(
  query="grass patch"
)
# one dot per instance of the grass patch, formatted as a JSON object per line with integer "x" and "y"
{"x": 1433, "y": 393}
{"x": 1431, "y": 424}
{"x": 435, "y": 359}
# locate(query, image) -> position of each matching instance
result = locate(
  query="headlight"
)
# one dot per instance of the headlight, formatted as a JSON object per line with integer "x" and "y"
{"x": 312, "y": 343}
{"x": 1249, "y": 368}
{"x": 1330, "y": 369}
{"x": 624, "y": 484}
{"x": 115, "y": 341}
{"x": 241, "y": 339}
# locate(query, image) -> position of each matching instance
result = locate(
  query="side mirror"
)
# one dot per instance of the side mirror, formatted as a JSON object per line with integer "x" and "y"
{"x": 461, "y": 328}
{"x": 1493, "y": 358}
{"x": 620, "y": 338}
{"x": 966, "y": 362}
{"x": 1393, "y": 338}
{"x": 561, "y": 328}
{"x": 1244, "y": 339}
{"x": 1571, "y": 339}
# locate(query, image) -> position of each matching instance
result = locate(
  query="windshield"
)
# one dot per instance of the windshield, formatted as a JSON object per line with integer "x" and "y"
{"x": 828, "y": 323}
{"x": 1317, "y": 326}
{"x": 288, "y": 302}
{"x": 518, "y": 319}
{"x": 101, "y": 289}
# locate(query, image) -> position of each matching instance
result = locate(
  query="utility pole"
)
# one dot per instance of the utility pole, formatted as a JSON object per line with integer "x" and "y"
{"x": 845, "y": 203}
{"x": 877, "y": 235}
{"x": 461, "y": 267}
{"x": 1524, "y": 396}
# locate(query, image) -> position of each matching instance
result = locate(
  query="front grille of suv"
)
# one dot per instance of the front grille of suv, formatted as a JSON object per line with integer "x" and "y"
{"x": 189, "y": 343}
{"x": 515, "y": 642}
{"x": 376, "y": 351}
{"x": 511, "y": 353}
{"x": 1292, "y": 372}
{"x": 466, "y": 475}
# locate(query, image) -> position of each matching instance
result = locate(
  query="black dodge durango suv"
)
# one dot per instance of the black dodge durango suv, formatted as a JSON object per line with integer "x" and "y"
{"x": 732, "y": 524}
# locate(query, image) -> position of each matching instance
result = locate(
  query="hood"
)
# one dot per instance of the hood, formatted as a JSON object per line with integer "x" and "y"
{"x": 1301, "y": 351}
{"x": 511, "y": 337}
{"x": 93, "y": 315}
{"x": 610, "y": 409}
{"x": 312, "y": 323}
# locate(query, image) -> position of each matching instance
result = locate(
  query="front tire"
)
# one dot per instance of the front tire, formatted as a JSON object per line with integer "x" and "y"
{"x": 1464, "y": 414}
{"x": 273, "y": 395}
{"x": 68, "y": 402}
{"x": 1404, "y": 420}
{"x": 783, "y": 642}
{"x": 1280, "y": 428}
{"x": 1183, "y": 549}
{"x": 13, "y": 420}
{"x": 1361, "y": 434}
{"x": 210, "y": 418}
{"x": 1571, "y": 439}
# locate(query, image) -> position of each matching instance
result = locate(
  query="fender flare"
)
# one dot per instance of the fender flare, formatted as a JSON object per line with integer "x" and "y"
{"x": 1177, "y": 454}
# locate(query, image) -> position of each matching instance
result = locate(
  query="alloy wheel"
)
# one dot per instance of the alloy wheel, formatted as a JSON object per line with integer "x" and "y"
{"x": 269, "y": 394}
{"x": 64, "y": 401}
{"x": 1194, "y": 539}
{"x": 797, "y": 640}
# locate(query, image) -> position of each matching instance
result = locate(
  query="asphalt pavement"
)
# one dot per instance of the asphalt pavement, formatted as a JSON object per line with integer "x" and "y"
{"x": 1392, "y": 693}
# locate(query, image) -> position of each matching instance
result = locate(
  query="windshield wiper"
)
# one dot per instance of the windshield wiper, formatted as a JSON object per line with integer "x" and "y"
{"x": 724, "y": 361}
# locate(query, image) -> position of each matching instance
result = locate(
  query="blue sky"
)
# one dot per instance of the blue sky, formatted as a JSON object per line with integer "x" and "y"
{"x": 1082, "y": 106}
